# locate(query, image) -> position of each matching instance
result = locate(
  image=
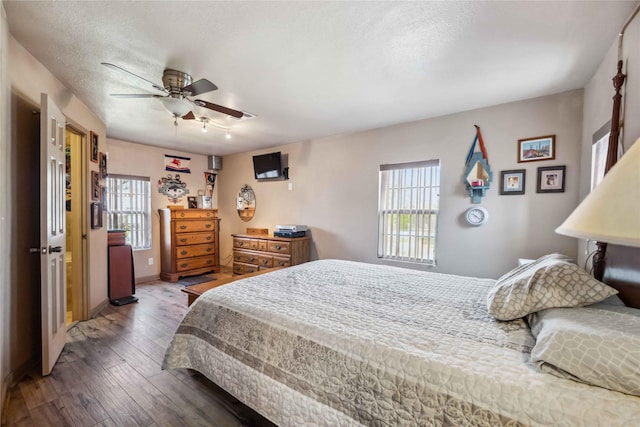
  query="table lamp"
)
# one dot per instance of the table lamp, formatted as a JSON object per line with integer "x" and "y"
{"x": 611, "y": 212}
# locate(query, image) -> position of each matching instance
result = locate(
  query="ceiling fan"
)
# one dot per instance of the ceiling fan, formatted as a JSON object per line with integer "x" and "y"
{"x": 177, "y": 87}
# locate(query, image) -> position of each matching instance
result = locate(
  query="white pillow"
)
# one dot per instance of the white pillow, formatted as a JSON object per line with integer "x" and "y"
{"x": 597, "y": 345}
{"x": 550, "y": 281}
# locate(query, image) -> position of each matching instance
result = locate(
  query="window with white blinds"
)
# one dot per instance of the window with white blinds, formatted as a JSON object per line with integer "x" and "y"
{"x": 408, "y": 211}
{"x": 129, "y": 208}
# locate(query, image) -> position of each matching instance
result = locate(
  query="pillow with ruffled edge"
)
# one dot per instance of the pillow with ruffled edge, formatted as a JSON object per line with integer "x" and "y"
{"x": 597, "y": 345}
{"x": 550, "y": 281}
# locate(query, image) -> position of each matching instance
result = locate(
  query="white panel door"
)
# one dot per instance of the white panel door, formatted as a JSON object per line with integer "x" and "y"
{"x": 52, "y": 232}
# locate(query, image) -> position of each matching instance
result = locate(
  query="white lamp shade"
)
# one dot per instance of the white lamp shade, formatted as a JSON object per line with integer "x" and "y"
{"x": 611, "y": 212}
{"x": 176, "y": 106}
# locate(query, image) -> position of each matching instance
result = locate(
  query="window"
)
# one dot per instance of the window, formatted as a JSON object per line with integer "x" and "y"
{"x": 599, "y": 150}
{"x": 129, "y": 208}
{"x": 408, "y": 210}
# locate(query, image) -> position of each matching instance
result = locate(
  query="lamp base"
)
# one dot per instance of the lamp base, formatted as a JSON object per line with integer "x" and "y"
{"x": 598, "y": 260}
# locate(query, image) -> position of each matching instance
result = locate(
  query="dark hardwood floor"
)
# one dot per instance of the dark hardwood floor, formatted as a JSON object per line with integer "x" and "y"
{"x": 109, "y": 375}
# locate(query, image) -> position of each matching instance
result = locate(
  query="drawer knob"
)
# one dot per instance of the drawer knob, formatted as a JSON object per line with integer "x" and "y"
{"x": 182, "y": 227}
{"x": 209, "y": 261}
{"x": 264, "y": 261}
{"x": 183, "y": 265}
{"x": 182, "y": 215}
{"x": 281, "y": 264}
{"x": 251, "y": 270}
{"x": 208, "y": 237}
{"x": 183, "y": 252}
{"x": 183, "y": 240}
{"x": 252, "y": 259}
{"x": 208, "y": 249}
{"x": 278, "y": 247}
{"x": 240, "y": 243}
{"x": 208, "y": 225}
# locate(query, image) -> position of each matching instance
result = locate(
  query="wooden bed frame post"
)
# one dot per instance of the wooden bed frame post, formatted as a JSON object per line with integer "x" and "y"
{"x": 612, "y": 157}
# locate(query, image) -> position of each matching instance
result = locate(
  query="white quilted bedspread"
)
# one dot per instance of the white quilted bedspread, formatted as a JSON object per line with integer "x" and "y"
{"x": 343, "y": 343}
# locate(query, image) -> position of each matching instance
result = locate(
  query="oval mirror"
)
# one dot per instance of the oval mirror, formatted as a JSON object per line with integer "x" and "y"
{"x": 246, "y": 203}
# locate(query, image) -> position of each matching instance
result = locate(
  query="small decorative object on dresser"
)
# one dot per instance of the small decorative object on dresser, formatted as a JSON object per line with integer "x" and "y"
{"x": 189, "y": 242}
{"x": 252, "y": 253}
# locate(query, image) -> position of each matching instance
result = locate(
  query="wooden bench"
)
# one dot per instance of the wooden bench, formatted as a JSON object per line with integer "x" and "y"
{"x": 194, "y": 291}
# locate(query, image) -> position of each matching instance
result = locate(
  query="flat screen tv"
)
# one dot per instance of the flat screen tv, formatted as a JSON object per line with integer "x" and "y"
{"x": 267, "y": 166}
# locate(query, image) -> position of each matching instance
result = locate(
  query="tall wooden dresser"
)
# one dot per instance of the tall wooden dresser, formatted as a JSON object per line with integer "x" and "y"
{"x": 252, "y": 252}
{"x": 189, "y": 242}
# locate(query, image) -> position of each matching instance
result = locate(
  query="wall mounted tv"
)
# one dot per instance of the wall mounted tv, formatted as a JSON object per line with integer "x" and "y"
{"x": 266, "y": 166}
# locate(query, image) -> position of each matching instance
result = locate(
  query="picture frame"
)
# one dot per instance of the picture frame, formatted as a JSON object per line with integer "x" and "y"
{"x": 93, "y": 141}
{"x": 537, "y": 149}
{"x": 512, "y": 182}
{"x": 192, "y": 202}
{"x": 95, "y": 186}
{"x": 551, "y": 179}
{"x": 103, "y": 165}
{"x": 96, "y": 215}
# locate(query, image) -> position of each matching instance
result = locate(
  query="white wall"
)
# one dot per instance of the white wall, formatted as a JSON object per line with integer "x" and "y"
{"x": 335, "y": 185}
{"x": 135, "y": 159}
{"x": 598, "y": 105}
{"x": 4, "y": 201}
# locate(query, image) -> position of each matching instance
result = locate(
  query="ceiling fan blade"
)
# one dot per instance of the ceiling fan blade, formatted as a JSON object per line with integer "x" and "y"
{"x": 189, "y": 116}
{"x": 219, "y": 108}
{"x": 200, "y": 86}
{"x": 136, "y": 95}
{"x": 115, "y": 67}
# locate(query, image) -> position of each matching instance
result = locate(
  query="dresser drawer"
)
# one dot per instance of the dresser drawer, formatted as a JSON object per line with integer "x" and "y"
{"x": 193, "y": 263}
{"x": 281, "y": 261}
{"x": 195, "y": 250}
{"x": 279, "y": 247}
{"x": 246, "y": 257}
{"x": 194, "y": 225}
{"x": 239, "y": 268}
{"x": 241, "y": 243}
{"x": 192, "y": 214}
{"x": 195, "y": 238}
{"x": 265, "y": 261}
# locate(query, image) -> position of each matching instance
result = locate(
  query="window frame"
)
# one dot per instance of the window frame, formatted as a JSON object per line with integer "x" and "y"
{"x": 140, "y": 238}
{"x": 427, "y": 197}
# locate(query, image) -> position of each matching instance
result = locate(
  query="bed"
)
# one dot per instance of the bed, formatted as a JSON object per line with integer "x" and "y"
{"x": 342, "y": 343}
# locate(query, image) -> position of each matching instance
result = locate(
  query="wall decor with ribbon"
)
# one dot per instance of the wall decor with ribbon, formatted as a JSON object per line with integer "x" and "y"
{"x": 477, "y": 175}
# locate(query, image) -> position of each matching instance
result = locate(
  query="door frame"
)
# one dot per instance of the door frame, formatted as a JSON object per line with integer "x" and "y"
{"x": 80, "y": 297}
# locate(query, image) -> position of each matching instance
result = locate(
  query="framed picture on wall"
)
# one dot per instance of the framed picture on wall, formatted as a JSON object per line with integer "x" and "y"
{"x": 95, "y": 186}
{"x": 93, "y": 142}
{"x": 551, "y": 179}
{"x": 536, "y": 149}
{"x": 103, "y": 165}
{"x": 96, "y": 215}
{"x": 512, "y": 182}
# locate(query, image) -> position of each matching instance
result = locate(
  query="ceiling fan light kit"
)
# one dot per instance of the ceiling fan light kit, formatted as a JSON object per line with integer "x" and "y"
{"x": 177, "y": 106}
{"x": 177, "y": 87}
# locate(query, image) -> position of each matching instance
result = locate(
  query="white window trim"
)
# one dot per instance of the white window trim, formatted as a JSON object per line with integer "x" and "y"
{"x": 139, "y": 239}
{"x": 423, "y": 194}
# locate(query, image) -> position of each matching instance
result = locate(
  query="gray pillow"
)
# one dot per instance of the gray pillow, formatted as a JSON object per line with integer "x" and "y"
{"x": 598, "y": 345}
{"x": 550, "y": 281}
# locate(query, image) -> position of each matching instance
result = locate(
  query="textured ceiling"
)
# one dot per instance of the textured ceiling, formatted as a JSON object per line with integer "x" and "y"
{"x": 312, "y": 69}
